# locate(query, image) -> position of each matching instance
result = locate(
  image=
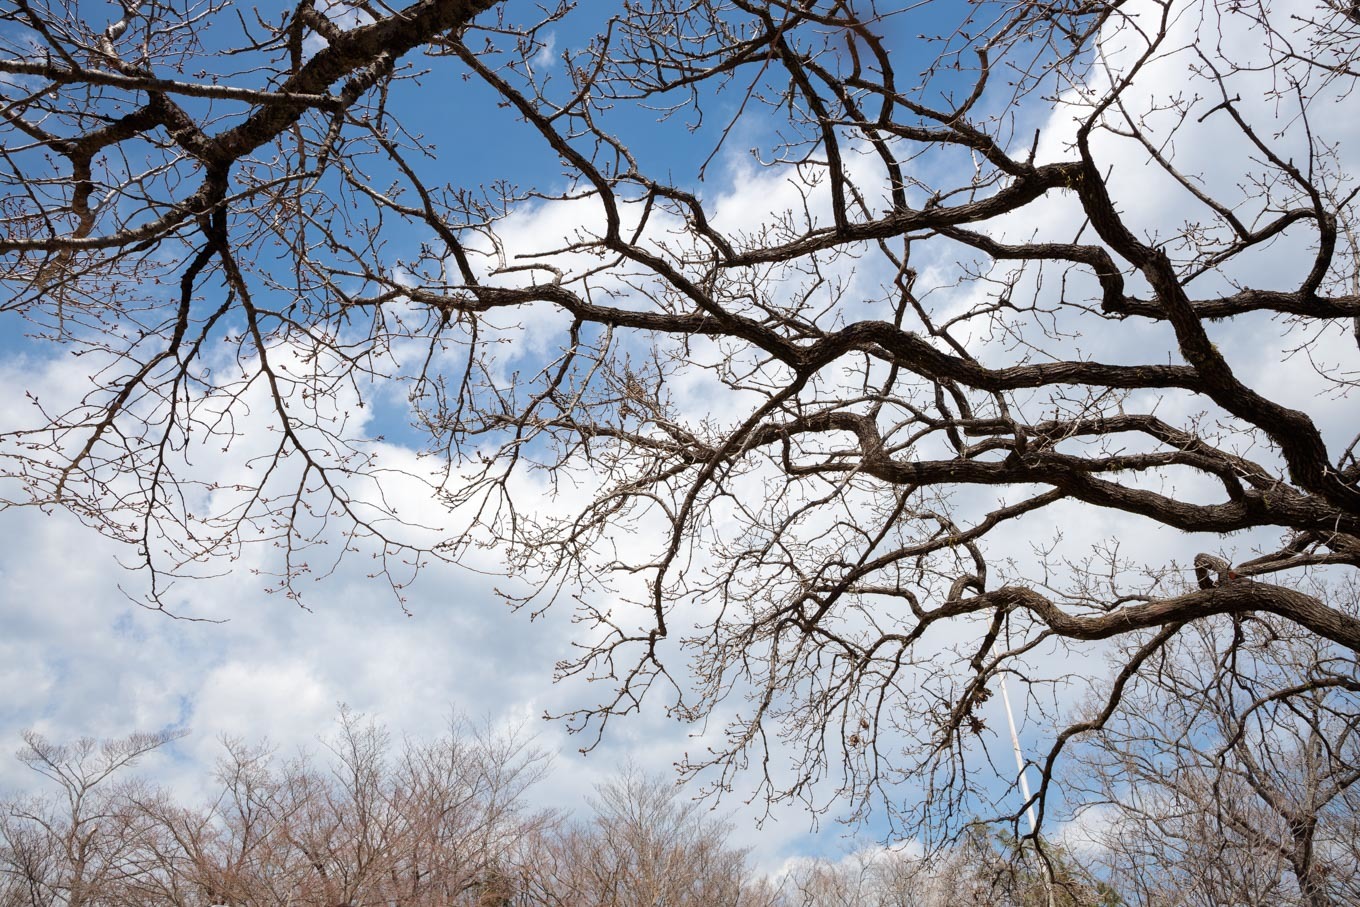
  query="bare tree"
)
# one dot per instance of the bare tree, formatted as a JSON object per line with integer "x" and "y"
{"x": 76, "y": 848}
{"x": 1230, "y": 778}
{"x": 863, "y": 879}
{"x": 949, "y": 331}
{"x": 980, "y": 868}
{"x": 647, "y": 845}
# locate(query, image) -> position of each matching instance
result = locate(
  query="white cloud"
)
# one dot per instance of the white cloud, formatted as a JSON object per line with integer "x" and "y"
{"x": 78, "y": 659}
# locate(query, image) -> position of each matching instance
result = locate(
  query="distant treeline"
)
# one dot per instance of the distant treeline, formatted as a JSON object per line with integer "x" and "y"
{"x": 364, "y": 822}
{"x": 447, "y": 823}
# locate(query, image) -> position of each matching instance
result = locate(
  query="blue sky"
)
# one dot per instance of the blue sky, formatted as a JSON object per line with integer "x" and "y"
{"x": 81, "y": 658}
{"x": 78, "y": 657}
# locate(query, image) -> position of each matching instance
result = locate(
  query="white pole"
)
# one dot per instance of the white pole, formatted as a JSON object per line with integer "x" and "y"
{"x": 1019, "y": 757}
{"x": 1024, "y": 780}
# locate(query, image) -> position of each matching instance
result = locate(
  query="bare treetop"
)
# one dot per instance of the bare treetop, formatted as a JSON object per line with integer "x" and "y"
{"x": 799, "y": 430}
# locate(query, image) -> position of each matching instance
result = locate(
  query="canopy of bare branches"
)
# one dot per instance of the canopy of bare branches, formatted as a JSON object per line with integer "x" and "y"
{"x": 1009, "y": 301}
